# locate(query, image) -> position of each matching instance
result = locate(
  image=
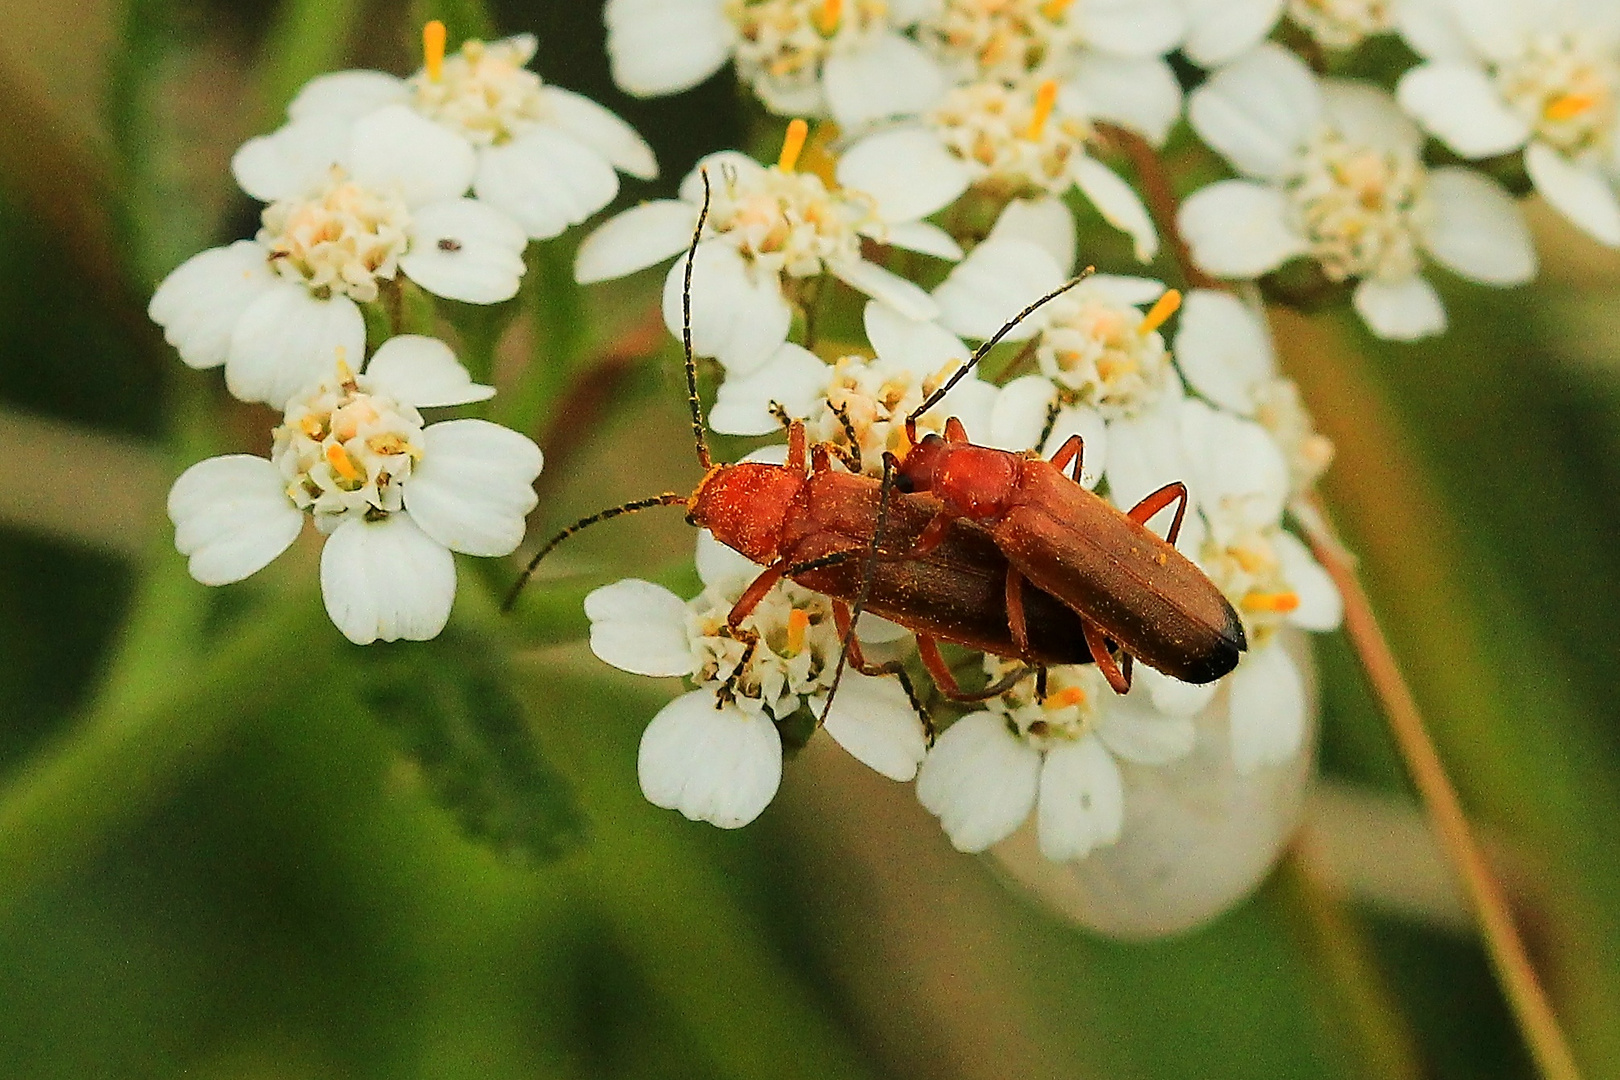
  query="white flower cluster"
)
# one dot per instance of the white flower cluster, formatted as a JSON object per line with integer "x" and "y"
{"x": 375, "y": 188}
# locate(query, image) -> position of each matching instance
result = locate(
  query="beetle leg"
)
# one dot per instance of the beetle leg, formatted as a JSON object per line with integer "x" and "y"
{"x": 1097, "y": 642}
{"x": 1015, "y": 610}
{"x": 1073, "y": 449}
{"x": 858, "y": 661}
{"x": 728, "y": 689}
{"x": 749, "y": 600}
{"x": 928, "y": 650}
{"x": 1142, "y": 511}
{"x": 1040, "y": 681}
{"x": 931, "y": 537}
{"x": 954, "y": 431}
{"x": 796, "y": 445}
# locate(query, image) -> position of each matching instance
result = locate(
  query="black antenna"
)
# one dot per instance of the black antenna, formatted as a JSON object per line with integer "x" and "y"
{"x": 979, "y": 353}
{"x": 868, "y": 565}
{"x": 686, "y": 334}
{"x": 668, "y": 498}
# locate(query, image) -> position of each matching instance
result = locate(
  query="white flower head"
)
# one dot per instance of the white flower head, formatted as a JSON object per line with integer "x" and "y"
{"x": 771, "y": 231}
{"x": 1222, "y": 30}
{"x": 715, "y": 753}
{"x": 845, "y": 58}
{"x": 1334, "y": 173}
{"x": 354, "y": 206}
{"x": 1055, "y": 756}
{"x": 394, "y": 495}
{"x": 546, "y": 157}
{"x": 1342, "y": 24}
{"x": 1505, "y": 74}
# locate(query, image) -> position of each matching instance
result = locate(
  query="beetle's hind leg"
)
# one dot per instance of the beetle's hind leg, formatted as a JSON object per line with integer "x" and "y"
{"x": 1171, "y": 493}
{"x": 945, "y": 679}
{"x": 857, "y": 660}
{"x": 1118, "y": 678}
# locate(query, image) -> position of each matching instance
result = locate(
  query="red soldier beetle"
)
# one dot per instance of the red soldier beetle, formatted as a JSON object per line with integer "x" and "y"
{"x": 822, "y": 529}
{"x": 1128, "y": 585}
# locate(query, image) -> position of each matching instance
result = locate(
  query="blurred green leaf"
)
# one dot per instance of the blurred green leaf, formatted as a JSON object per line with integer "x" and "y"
{"x": 449, "y": 700}
{"x": 462, "y": 19}
{"x": 309, "y": 38}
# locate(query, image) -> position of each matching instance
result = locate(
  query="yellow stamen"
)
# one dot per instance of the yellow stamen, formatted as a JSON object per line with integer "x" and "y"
{"x": 1280, "y": 602}
{"x": 798, "y": 623}
{"x": 1054, "y": 9}
{"x": 311, "y": 426}
{"x": 828, "y": 16}
{"x": 1045, "y": 100}
{"x": 388, "y": 444}
{"x": 1164, "y": 307}
{"x": 338, "y": 458}
{"x": 433, "y": 49}
{"x": 1064, "y": 698}
{"x": 344, "y": 372}
{"x": 1568, "y": 106}
{"x": 797, "y": 132}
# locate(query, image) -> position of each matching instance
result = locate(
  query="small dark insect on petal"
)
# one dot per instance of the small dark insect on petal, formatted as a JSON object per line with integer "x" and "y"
{"x": 449, "y": 243}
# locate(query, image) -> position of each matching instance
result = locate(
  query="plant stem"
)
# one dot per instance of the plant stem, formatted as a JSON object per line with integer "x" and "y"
{"x": 1160, "y": 197}
{"x": 1520, "y": 984}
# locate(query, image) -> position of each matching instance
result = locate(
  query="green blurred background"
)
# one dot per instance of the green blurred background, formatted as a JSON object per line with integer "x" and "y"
{"x": 210, "y": 876}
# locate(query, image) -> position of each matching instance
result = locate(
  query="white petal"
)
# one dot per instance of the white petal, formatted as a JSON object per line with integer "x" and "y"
{"x": 1429, "y": 27}
{"x": 739, "y": 317}
{"x": 1235, "y": 471}
{"x": 474, "y": 486}
{"x": 1223, "y": 349}
{"x": 720, "y": 165}
{"x": 1500, "y": 28}
{"x": 997, "y": 280}
{"x": 907, "y": 171}
{"x": 1144, "y": 454}
{"x": 971, "y": 401}
{"x": 639, "y": 627}
{"x": 665, "y": 46}
{"x": 888, "y": 76}
{"x": 287, "y": 339}
{"x": 1131, "y": 27}
{"x": 874, "y": 720}
{"x": 199, "y": 303}
{"x": 725, "y": 568}
{"x": 919, "y": 346}
{"x": 1476, "y": 229}
{"x": 292, "y": 160}
{"x": 1045, "y": 221}
{"x": 347, "y": 94}
{"x": 1222, "y": 30}
{"x": 397, "y": 148}
{"x": 876, "y": 630}
{"x": 1367, "y": 116}
{"x": 636, "y": 239}
{"x": 1119, "y": 205}
{"x": 602, "y": 130}
{"x": 979, "y": 780}
{"x": 1138, "y": 93}
{"x": 1172, "y": 697}
{"x": 1457, "y": 104}
{"x": 1020, "y": 412}
{"x": 387, "y": 580}
{"x": 1133, "y": 728}
{"x": 1259, "y": 111}
{"x": 881, "y": 284}
{"x": 232, "y": 516}
{"x": 1124, "y": 289}
{"x": 718, "y": 765}
{"x": 465, "y": 250}
{"x": 545, "y": 181}
{"x": 1583, "y": 195}
{"x": 1320, "y": 606}
{"x": 1267, "y": 709}
{"x": 1088, "y": 423}
{"x": 1082, "y": 800}
{"x": 1239, "y": 229}
{"x": 920, "y": 236}
{"x": 422, "y": 371}
{"x": 794, "y": 378}
{"x": 1400, "y": 310}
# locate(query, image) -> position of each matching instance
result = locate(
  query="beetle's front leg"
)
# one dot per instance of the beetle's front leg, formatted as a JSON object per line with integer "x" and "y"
{"x": 1073, "y": 449}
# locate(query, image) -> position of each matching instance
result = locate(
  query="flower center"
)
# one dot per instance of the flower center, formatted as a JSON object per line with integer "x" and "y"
{"x": 346, "y": 452}
{"x": 1360, "y": 207}
{"x": 787, "y": 222}
{"x": 1067, "y": 713}
{"x": 796, "y": 654}
{"x": 1101, "y": 353}
{"x": 483, "y": 91}
{"x": 1567, "y": 89}
{"x": 1342, "y": 24}
{"x": 1011, "y": 140}
{"x": 874, "y": 398}
{"x": 1002, "y": 39}
{"x": 781, "y": 44}
{"x": 1247, "y": 570}
{"x": 340, "y": 241}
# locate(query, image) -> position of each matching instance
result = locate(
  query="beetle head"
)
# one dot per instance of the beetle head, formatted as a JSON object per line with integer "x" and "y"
{"x": 745, "y": 506}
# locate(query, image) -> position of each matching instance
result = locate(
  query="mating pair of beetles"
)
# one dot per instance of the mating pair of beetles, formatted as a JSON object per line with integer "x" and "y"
{"x": 998, "y": 551}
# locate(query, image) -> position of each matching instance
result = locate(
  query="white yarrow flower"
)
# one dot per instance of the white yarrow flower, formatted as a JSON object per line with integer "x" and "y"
{"x": 353, "y": 207}
{"x": 1334, "y": 173}
{"x": 1504, "y": 74}
{"x": 715, "y": 753}
{"x": 546, "y": 157}
{"x": 1220, "y": 31}
{"x": 394, "y": 495}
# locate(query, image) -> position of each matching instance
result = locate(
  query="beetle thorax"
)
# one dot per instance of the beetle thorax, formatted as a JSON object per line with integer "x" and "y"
{"x": 746, "y": 506}
{"x": 976, "y": 482}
